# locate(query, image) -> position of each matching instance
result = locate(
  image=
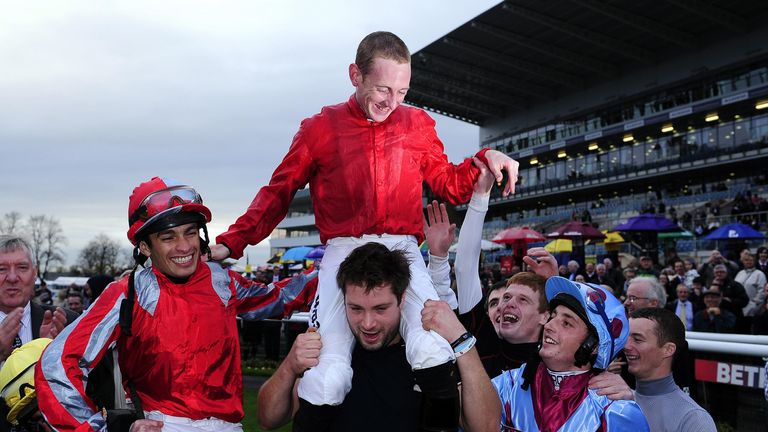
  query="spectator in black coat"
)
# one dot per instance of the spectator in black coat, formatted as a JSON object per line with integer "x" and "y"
{"x": 714, "y": 319}
{"x": 734, "y": 296}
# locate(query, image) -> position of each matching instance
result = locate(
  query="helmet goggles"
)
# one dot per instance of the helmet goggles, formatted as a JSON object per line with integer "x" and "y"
{"x": 160, "y": 201}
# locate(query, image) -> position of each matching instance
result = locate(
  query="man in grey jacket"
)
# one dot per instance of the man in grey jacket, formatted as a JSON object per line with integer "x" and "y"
{"x": 656, "y": 336}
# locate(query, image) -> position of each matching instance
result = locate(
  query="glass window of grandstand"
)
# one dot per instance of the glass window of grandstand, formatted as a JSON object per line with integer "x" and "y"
{"x": 716, "y": 87}
{"x": 725, "y": 136}
{"x": 759, "y": 132}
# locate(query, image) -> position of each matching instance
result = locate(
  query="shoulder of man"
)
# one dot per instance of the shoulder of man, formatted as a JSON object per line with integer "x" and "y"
{"x": 417, "y": 116}
{"x": 625, "y": 415}
{"x": 328, "y": 111}
{"x": 698, "y": 419}
{"x": 508, "y": 379}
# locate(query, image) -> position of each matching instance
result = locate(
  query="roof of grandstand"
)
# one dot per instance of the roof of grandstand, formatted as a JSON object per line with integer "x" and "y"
{"x": 525, "y": 52}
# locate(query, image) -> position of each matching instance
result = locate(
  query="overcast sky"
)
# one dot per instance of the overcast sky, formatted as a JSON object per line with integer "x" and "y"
{"x": 96, "y": 97}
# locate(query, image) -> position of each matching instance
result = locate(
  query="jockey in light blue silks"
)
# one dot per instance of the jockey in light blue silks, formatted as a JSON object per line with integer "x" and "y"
{"x": 586, "y": 329}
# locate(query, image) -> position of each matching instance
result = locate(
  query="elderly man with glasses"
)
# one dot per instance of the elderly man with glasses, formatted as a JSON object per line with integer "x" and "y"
{"x": 643, "y": 292}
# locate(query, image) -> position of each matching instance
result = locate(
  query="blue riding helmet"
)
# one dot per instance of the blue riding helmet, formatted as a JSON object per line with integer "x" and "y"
{"x": 604, "y": 311}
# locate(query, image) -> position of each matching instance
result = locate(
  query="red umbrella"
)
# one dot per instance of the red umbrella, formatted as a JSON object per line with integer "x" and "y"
{"x": 518, "y": 235}
{"x": 575, "y": 230}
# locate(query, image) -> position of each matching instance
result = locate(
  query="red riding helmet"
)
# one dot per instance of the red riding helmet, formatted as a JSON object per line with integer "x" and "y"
{"x": 163, "y": 200}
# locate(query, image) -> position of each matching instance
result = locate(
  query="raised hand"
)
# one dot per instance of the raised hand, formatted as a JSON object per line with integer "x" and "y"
{"x": 541, "y": 262}
{"x": 53, "y": 323}
{"x": 9, "y": 328}
{"x": 438, "y": 230}
{"x": 498, "y": 162}
{"x": 485, "y": 180}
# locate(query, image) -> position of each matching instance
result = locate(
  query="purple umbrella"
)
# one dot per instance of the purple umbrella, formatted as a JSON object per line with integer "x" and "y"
{"x": 734, "y": 231}
{"x": 316, "y": 253}
{"x": 575, "y": 230}
{"x": 648, "y": 222}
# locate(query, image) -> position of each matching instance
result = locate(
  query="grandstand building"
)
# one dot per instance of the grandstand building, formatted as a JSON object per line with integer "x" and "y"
{"x": 298, "y": 228}
{"x": 610, "y": 107}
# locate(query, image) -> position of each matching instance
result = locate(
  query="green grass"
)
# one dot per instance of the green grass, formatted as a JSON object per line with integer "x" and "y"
{"x": 249, "y": 422}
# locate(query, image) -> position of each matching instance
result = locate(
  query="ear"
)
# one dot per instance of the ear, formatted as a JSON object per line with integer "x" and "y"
{"x": 543, "y": 317}
{"x": 355, "y": 75}
{"x": 144, "y": 249}
{"x": 668, "y": 349}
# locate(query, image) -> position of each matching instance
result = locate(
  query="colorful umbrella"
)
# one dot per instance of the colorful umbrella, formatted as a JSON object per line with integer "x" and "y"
{"x": 485, "y": 245}
{"x": 612, "y": 237}
{"x": 518, "y": 235}
{"x": 559, "y": 245}
{"x": 275, "y": 258}
{"x": 647, "y": 222}
{"x": 576, "y": 230}
{"x": 734, "y": 231}
{"x": 296, "y": 254}
{"x": 316, "y": 253}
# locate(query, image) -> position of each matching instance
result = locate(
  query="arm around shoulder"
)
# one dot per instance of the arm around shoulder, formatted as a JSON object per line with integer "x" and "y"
{"x": 625, "y": 416}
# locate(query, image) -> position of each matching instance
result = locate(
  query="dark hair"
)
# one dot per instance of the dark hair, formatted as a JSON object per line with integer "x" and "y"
{"x": 97, "y": 285}
{"x": 373, "y": 265}
{"x": 495, "y": 287}
{"x": 534, "y": 282}
{"x": 669, "y": 328}
{"x": 380, "y": 44}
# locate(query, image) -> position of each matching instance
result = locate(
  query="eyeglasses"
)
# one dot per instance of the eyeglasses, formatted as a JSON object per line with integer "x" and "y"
{"x": 165, "y": 199}
{"x": 633, "y": 299}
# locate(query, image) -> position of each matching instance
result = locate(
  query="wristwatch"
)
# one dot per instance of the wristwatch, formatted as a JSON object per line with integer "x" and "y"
{"x": 463, "y": 344}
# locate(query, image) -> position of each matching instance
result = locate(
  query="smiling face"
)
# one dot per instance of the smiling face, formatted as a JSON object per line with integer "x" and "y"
{"x": 373, "y": 316}
{"x": 638, "y": 296}
{"x": 382, "y": 90}
{"x": 75, "y": 304}
{"x": 563, "y": 334}
{"x": 519, "y": 314}
{"x": 646, "y": 359}
{"x": 175, "y": 251}
{"x": 712, "y": 301}
{"x": 494, "y": 312}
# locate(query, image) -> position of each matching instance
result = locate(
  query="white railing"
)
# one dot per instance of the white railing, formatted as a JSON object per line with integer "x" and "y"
{"x": 741, "y": 344}
{"x": 750, "y": 345}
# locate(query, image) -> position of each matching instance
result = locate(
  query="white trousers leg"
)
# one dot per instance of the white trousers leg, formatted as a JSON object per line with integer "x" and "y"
{"x": 183, "y": 424}
{"x": 330, "y": 381}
